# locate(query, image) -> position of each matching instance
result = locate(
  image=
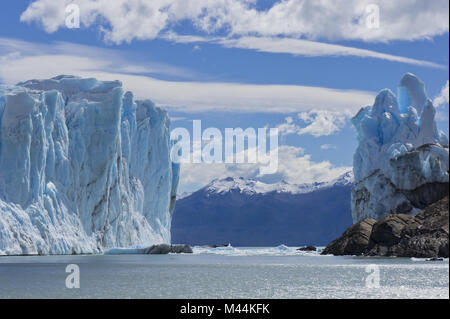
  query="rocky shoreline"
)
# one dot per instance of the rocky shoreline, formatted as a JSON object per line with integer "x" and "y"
{"x": 424, "y": 235}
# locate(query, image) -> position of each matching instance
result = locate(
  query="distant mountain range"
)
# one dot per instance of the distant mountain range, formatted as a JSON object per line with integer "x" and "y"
{"x": 251, "y": 213}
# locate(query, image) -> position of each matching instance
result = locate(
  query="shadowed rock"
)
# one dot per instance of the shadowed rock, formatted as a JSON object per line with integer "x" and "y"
{"x": 307, "y": 248}
{"x": 354, "y": 240}
{"x": 163, "y": 249}
{"x": 424, "y": 235}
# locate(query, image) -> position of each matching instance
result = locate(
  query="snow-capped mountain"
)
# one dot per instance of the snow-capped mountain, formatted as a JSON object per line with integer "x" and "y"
{"x": 402, "y": 161}
{"x": 83, "y": 167}
{"x": 251, "y": 187}
{"x": 251, "y": 213}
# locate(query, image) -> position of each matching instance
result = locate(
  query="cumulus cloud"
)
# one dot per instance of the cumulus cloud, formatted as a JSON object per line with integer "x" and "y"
{"x": 25, "y": 60}
{"x": 125, "y": 20}
{"x": 285, "y": 27}
{"x": 294, "y": 166}
{"x": 316, "y": 123}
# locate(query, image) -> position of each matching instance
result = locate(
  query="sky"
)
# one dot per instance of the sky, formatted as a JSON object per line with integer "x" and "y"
{"x": 302, "y": 66}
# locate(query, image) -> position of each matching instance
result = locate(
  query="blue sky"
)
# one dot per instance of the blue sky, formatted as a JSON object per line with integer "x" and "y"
{"x": 241, "y": 63}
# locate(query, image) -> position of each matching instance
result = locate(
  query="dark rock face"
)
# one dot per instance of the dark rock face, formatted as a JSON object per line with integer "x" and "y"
{"x": 424, "y": 235}
{"x": 354, "y": 240}
{"x": 166, "y": 249}
{"x": 427, "y": 194}
{"x": 307, "y": 248}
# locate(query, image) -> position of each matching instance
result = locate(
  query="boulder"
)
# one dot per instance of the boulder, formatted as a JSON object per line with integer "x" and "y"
{"x": 388, "y": 231}
{"x": 353, "y": 241}
{"x": 181, "y": 249}
{"x": 218, "y": 245}
{"x": 166, "y": 249}
{"x": 307, "y": 248}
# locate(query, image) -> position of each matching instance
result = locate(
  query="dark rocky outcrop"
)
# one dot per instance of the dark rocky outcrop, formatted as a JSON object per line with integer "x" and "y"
{"x": 166, "y": 249}
{"x": 424, "y": 235}
{"x": 218, "y": 245}
{"x": 307, "y": 248}
{"x": 354, "y": 240}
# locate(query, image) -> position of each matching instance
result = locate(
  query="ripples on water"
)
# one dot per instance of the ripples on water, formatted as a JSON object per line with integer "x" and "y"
{"x": 223, "y": 272}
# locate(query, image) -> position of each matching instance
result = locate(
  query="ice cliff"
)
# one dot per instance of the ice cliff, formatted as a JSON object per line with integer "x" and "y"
{"x": 401, "y": 164}
{"x": 83, "y": 167}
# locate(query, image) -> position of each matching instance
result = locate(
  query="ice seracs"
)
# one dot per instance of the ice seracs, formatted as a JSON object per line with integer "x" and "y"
{"x": 402, "y": 160}
{"x": 83, "y": 167}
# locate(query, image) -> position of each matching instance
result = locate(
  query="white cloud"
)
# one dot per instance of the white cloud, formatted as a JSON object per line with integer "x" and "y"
{"x": 238, "y": 97}
{"x": 316, "y": 123}
{"x": 441, "y": 102}
{"x": 45, "y": 61}
{"x": 288, "y": 128}
{"x": 23, "y": 55}
{"x": 286, "y": 27}
{"x": 321, "y": 122}
{"x": 125, "y": 20}
{"x": 442, "y": 98}
{"x": 294, "y": 166}
{"x": 314, "y": 49}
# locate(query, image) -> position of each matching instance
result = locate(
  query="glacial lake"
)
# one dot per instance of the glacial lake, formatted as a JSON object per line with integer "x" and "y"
{"x": 281, "y": 272}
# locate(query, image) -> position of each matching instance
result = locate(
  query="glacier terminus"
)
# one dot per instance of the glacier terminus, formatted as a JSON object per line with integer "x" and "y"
{"x": 83, "y": 167}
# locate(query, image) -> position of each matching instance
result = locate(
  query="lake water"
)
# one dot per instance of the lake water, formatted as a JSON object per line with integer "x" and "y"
{"x": 280, "y": 272}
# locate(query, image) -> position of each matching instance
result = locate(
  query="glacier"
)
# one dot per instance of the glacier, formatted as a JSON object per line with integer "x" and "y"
{"x": 401, "y": 164}
{"x": 83, "y": 168}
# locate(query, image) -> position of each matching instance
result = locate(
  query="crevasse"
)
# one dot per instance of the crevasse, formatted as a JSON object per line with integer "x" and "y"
{"x": 83, "y": 167}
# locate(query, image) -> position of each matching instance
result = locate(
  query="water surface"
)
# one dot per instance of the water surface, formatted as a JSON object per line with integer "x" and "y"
{"x": 227, "y": 272}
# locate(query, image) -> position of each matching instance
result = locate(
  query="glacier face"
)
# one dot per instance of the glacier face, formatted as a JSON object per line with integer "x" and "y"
{"x": 402, "y": 160}
{"x": 83, "y": 167}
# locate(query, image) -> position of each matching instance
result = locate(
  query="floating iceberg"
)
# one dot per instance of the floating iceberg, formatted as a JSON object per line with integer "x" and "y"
{"x": 83, "y": 167}
{"x": 402, "y": 160}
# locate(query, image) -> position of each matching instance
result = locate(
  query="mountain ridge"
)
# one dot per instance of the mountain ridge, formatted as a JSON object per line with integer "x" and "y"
{"x": 229, "y": 210}
{"x": 257, "y": 187}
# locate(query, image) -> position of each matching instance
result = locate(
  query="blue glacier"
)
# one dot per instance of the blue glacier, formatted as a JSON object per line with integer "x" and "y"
{"x": 83, "y": 168}
{"x": 401, "y": 164}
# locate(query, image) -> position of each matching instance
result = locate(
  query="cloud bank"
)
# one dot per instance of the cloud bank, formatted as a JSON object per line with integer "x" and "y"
{"x": 291, "y": 26}
{"x": 21, "y": 60}
{"x": 294, "y": 167}
{"x": 125, "y": 20}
